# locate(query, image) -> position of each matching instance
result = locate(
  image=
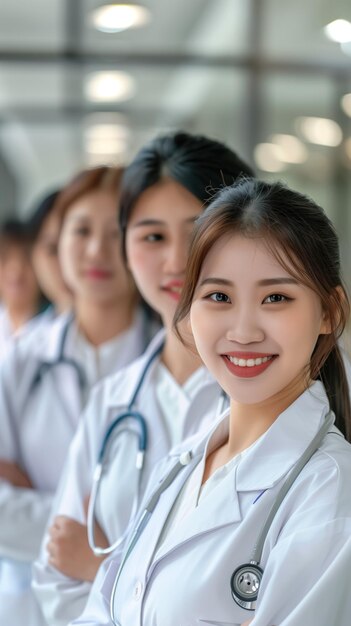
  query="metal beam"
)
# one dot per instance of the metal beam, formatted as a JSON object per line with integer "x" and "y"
{"x": 166, "y": 59}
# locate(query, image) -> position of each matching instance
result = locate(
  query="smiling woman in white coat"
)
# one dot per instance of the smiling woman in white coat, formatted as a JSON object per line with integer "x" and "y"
{"x": 266, "y": 305}
{"x": 45, "y": 382}
{"x": 163, "y": 193}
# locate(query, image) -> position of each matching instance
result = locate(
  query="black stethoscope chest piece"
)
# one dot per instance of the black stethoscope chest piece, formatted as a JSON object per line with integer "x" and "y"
{"x": 245, "y": 583}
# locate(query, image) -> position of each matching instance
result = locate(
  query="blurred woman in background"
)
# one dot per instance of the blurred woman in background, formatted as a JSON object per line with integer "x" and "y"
{"x": 44, "y": 226}
{"x": 44, "y": 384}
{"x": 164, "y": 190}
{"x": 21, "y": 297}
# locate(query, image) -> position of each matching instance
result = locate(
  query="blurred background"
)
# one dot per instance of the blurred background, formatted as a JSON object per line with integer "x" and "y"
{"x": 84, "y": 82}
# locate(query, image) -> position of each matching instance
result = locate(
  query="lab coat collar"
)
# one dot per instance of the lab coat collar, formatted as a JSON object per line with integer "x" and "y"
{"x": 119, "y": 395}
{"x": 261, "y": 467}
{"x": 47, "y": 344}
{"x": 281, "y": 446}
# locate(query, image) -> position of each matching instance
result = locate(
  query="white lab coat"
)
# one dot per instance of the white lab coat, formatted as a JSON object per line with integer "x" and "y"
{"x": 8, "y": 337}
{"x": 307, "y": 553}
{"x": 63, "y": 598}
{"x": 36, "y": 428}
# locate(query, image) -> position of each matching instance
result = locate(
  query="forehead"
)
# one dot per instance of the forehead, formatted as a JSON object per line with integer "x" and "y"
{"x": 235, "y": 256}
{"x": 166, "y": 200}
{"x": 94, "y": 203}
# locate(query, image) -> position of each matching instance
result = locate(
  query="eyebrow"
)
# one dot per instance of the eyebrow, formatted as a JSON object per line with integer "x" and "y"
{"x": 265, "y": 282}
{"x": 153, "y": 222}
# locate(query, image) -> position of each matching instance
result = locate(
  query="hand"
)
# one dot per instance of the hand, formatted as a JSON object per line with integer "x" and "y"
{"x": 15, "y": 475}
{"x": 69, "y": 550}
{"x": 247, "y": 622}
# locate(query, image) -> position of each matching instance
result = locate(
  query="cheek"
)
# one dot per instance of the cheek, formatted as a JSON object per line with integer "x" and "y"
{"x": 141, "y": 265}
{"x": 68, "y": 249}
{"x": 203, "y": 331}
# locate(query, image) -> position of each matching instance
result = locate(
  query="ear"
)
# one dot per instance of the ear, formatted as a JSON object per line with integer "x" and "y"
{"x": 331, "y": 320}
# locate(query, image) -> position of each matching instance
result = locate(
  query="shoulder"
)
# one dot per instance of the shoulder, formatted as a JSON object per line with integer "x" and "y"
{"x": 321, "y": 493}
{"x": 118, "y": 388}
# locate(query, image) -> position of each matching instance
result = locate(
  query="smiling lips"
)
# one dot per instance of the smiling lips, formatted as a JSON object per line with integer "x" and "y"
{"x": 174, "y": 289}
{"x": 248, "y": 364}
{"x": 98, "y": 274}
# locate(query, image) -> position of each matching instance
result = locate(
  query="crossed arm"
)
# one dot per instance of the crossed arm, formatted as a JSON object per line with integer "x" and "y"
{"x": 69, "y": 550}
{"x": 12, "y": 473}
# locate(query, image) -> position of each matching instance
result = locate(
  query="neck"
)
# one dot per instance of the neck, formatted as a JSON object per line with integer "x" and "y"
{"x": 100, "y": 323}
{"x": 249, "y": 421}
{"x": 19, "y": 316}
{"x": 180, "y": 360}
{"x": 62, "y": 306}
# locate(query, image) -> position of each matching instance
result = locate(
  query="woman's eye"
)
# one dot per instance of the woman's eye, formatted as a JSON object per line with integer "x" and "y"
{"x": 51, "y": 249}
{"x": 153, "y": 237}
{"x": 219, "y": 297}
{"x": 276, "y": 297}
{"x": 83, "y": 231}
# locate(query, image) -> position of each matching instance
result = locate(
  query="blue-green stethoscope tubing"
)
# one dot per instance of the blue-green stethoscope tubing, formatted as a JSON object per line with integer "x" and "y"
{"x": 127, "y": 417}
{"x": 61, "y": 359}
{"x": 246, "y": 579}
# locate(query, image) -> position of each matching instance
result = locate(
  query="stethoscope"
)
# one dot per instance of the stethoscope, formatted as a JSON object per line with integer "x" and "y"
{"x": 246, "y": 579}
{"x": 61, "y": 359}
{"x": 129, "y": 415}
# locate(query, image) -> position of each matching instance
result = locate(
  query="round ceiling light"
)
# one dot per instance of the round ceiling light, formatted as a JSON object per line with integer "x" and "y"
{"x": 114, "y": 18}
{"x": 109, "y": 87}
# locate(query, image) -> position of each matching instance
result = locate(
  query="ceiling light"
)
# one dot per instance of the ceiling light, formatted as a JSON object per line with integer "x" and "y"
{"x": 114, "y": 18}
{"x": 268, "y": 157}
{"x": 105, "y": 146}
{"x": 292, "y": 149}
{"x": 338, "y": 30}
{"x": 346, "y": 104}
{"x": 319, "y": 130}
{"x": 109, "y": 87}
{"x": 106, "y": 131}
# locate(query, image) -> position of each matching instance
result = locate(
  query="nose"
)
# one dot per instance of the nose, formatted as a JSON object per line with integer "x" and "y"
{"x": 244, "y": 327}
{"x": 176, "y": 256}
{"x": 95, "y": 247}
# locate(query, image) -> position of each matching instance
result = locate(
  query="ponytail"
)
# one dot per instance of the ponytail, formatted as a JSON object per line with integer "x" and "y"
{"x": 334, "y": 379}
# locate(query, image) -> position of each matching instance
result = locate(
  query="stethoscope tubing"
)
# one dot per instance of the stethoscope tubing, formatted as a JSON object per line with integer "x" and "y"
{"x": 129, "y": 414}
{"x": 258, "y": 547}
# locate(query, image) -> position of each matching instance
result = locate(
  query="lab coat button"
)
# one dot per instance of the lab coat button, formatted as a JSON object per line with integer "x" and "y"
{"x": 138, "y": 590}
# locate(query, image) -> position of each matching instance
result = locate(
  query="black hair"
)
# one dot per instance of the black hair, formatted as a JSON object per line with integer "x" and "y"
{"x": 14, "y": 231}
{"x": 199, "y": 164}
{"x": 43, "y": 209}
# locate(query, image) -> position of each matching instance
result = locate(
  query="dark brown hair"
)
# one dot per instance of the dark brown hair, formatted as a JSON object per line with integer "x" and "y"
{"x": 297, "y": 229}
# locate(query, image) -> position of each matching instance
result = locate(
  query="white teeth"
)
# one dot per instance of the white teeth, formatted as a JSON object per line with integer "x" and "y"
{"x": 249, "y": 362}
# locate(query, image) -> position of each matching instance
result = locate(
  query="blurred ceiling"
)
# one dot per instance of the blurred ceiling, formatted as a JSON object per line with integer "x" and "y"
{"x": 240, "y": 71}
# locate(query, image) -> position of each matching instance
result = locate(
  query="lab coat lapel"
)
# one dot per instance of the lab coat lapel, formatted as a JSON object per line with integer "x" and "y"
{"x": 120, "y": 396}
{"x": 279, "y": 449}
{"x": 265, "y": 464}
{"x": 66, "y": 390}
{"x": 152, "y": 531}
{"x": 220, "y": 508}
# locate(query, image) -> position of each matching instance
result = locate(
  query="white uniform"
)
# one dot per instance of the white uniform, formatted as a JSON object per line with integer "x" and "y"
{"x": 37, "y": 424}
{"x": 181, "y": 575}
{"x": 63, "y": 598}
{"x": 8, "y": 337}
